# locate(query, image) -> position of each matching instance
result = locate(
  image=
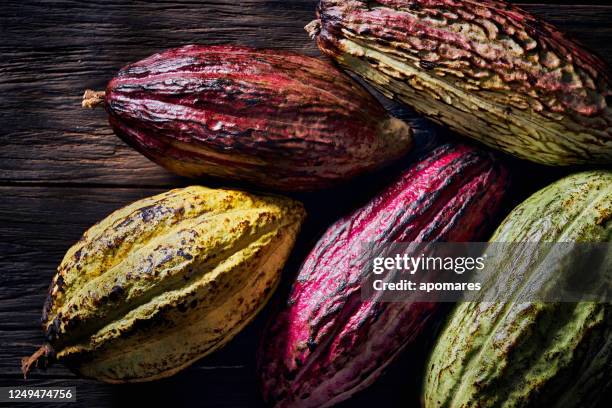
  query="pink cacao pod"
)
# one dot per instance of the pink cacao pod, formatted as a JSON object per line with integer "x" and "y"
{"x": 327, "y": 343}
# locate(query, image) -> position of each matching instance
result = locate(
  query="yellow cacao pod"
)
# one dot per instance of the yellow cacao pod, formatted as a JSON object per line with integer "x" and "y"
{"x": 164, "y": 281}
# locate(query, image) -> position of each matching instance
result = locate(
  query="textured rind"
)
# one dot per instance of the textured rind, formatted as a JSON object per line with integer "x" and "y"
{"x": 486, "y": 69}
{"x": 275, "y": 119}
{"x": 327, "y": 344}
{"x": 166, "y": 280}
{"x": 532, "y": 354}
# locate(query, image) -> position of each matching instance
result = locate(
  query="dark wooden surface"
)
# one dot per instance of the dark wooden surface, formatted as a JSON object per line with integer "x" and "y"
{"x": 62, "y": 169}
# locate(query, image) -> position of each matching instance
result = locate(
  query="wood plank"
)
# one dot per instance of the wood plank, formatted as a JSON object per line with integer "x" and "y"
{"x": 53, "y": 50}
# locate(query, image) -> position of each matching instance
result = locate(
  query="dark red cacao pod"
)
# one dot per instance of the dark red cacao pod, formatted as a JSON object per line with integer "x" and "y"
{"x": 270, "y": 118}
{"x": 327, "y": 343}
{"x": 486, "y": 69}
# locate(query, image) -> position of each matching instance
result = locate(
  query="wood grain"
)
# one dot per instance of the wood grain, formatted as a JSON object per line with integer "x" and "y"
{"x": 52, "y": 51}
{"x": 62, "y": 169}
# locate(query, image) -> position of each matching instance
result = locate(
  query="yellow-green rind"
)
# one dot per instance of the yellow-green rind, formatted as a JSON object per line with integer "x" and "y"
{"x": 532, "y": 354}
{"x": 167, "y": 280}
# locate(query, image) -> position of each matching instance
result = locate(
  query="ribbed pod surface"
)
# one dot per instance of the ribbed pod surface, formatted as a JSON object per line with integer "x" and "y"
{"x": 532, "y": 354}
{"x": 271, "y": 118}
{"x": 487, "y": 69}
{"x": 327, "y": 344}
{"x": 166, "y": 280}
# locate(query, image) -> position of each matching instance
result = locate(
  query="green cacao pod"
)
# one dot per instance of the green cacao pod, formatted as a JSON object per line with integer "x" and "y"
{"x": 487, "y": 69}
{"x": 164, "y": 281}
{"x": 535, "y": 353}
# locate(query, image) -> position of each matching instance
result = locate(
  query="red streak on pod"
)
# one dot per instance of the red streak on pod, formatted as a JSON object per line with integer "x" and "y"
{"x": 327, "y": 343}
{"x": 275, "y": 119}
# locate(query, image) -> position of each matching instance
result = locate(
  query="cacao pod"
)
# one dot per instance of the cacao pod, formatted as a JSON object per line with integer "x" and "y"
{"x": 327, "y": 343}
{"x": 486, "y": 69}
{"x": 164, "y": 281}
{"x": 274, "y": 119}
{"x": 533, "y": 353}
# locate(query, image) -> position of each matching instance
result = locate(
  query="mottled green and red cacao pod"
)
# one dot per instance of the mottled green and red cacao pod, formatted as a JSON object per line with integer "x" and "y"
{"x": 520, "y": 351}
{"x": 327, "y": 343}
{"x": 486, "y": 69}
{"x": 275, "y": 119}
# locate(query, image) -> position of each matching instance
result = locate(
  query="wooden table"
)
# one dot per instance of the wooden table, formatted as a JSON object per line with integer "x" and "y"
{"x": 62, "y": 168}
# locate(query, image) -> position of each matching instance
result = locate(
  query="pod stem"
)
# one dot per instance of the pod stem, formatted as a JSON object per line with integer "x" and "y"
{"x": 91, "y": 98}
{"x": 313, "y": 28}
{"x": 42, "y": 357}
